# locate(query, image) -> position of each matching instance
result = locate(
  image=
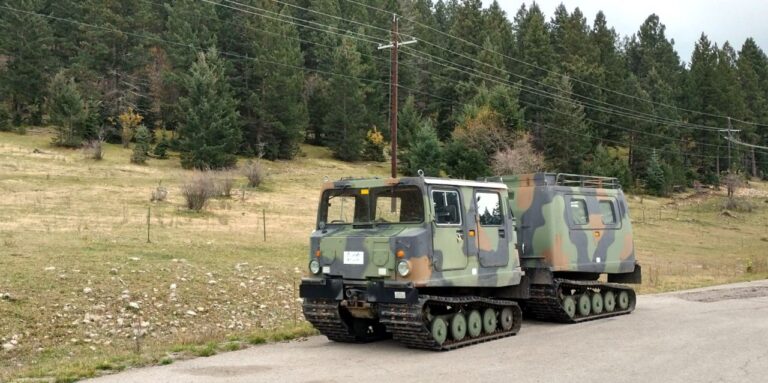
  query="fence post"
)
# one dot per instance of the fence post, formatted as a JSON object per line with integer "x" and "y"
{"x": 264, "y": 222}
{"x": 149, "y": 212}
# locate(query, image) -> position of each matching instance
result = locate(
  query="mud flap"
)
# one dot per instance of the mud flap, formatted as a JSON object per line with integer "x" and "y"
{"x": 634, "y": 277}
{"x": 325, "y": 288}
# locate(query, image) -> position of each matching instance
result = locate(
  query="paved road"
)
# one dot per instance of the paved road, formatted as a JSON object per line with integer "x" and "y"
{"x": 709, "y": 335}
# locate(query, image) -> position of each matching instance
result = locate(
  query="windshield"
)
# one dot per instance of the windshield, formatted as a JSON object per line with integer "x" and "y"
{"x": 384, "y": 205}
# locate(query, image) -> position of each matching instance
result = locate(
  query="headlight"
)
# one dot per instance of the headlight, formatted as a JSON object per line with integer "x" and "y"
{"x": 314, "y": 266}
{"x": 403, "y": 268}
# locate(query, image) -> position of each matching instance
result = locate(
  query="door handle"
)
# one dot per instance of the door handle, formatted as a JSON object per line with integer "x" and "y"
{"x": 459, "y": 235}
{"x": 502, "y": 233}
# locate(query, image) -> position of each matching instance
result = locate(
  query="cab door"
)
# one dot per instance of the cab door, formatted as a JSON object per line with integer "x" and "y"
{"x": 449, "y": 244}
{"x": 492, "y": 235}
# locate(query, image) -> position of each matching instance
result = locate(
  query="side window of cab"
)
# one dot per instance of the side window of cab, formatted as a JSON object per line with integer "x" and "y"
{"x": 447, "y": 207}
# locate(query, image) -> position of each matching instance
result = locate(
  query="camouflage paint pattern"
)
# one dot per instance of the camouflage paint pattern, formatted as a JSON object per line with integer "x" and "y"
{"x": 548, "y": 232}
{"x": 439, "y": 255}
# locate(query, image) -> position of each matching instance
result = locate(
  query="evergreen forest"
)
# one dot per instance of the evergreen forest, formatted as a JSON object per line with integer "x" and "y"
{"x": 481, "y": 92}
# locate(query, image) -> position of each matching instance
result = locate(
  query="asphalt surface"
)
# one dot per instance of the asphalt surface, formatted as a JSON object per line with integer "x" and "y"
{"x": 716, "y": 334}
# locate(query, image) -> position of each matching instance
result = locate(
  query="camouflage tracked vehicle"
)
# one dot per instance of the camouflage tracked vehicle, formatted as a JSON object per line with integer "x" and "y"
{"x": 571, "y": 229}
{"x": 436, "y": 263}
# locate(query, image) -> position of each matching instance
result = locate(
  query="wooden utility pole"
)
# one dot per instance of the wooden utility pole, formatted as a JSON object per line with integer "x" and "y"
{"x": 393, "y": 86}
{"x": 730, "y": 131}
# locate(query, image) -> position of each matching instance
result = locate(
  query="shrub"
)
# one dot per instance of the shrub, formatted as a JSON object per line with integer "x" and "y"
{"x": 373, "y": 150}
{"x": 159, "y": 194}
{"x": 255, "y": 173}
{"x": 224, "y": 185}
{"x": 141, "y": 148}
{"x": 161, "y": 149}
{"x": 741, "y": 205}
{"x": 483, "y": 130}
{"x": 197, "y": 190}
{"x": 129, "y": 123}
{"x": 93, "y": 150}
{"x": 521, "y": 158}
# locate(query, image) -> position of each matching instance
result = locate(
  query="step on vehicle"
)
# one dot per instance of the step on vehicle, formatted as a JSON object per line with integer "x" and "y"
{"x": 440, "y": 263}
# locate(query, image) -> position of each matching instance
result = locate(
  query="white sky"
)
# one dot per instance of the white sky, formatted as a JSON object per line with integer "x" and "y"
{"x": 722, "y": 21}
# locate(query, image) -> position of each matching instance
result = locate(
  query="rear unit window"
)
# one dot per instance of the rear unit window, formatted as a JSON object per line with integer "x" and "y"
{"x": 608, "y": 212}
{"x": 579, "y": 215}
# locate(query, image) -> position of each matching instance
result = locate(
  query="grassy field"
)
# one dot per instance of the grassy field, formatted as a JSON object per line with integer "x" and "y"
{"x": 87, "y": 294}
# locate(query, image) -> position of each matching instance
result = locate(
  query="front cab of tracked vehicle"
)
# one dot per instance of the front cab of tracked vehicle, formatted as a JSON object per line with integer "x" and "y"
{"x": 388, "y": 240}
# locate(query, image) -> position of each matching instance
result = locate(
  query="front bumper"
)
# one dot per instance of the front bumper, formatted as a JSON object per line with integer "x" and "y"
{"x": 368, "y": 291}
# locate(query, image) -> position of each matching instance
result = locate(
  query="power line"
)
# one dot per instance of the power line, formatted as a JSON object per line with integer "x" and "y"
{"x": 545, "y": 69}
{"x": 629, "y": 112}
{"x": 385, "y": 30}
{"x": 364, "y": 37}
{"x": 267, "y": 32}
{"x": 557, "y": 97}
{"x": 187, "y": 45}
{"x": 547, "y": 94}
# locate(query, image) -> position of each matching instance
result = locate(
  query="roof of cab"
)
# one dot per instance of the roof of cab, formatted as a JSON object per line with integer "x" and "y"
{"x": 453, "y": 182}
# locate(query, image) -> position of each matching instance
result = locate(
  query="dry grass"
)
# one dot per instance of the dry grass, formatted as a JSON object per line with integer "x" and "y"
{"x": 689, "y": 242}
{"x": 70, "y": 225}
{"x": 74, "y": 256}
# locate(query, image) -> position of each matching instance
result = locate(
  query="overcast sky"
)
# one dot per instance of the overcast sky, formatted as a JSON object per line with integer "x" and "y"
{"x": 722, "y": 21}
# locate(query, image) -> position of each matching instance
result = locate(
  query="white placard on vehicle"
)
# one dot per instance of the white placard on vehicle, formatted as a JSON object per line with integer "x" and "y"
{"x": 353, "y": 257}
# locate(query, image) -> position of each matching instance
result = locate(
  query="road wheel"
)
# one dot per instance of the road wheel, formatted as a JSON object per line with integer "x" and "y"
{"x": 474, "y": 324}
{"x": 597, "y": 303}
{"x": 489, "y": 320}
{"x": 623, "y": 300}
{"x": 609, "y": 301}
{"x": 569, "y": 305}
{"x": 458, "y": 327}
{"x": 439, "y": 330}
{"x": 585, "y": 305}
{"x": 507, "y": 319}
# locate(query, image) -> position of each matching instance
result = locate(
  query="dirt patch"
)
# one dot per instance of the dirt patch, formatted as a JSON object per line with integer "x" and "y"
{"x": 725, "y": 294}
{"x": 225, "y": 371}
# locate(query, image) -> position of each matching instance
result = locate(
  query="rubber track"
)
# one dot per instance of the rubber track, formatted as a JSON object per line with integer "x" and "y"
{"x": 324, "y": 316}
{"x": 546, "y": 305}
{"x": 408, "y": 326}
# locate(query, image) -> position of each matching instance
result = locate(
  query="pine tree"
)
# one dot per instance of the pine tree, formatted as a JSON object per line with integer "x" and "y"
{"x": 209, "y": 134}
{"x": 533, "y": 46}
{"x": 190, "y": 27}
{"x": 318, "y": 47}
{"x": 409, "y": 120}
{"x": 753, "y": 75}
{"x": 655, "y": 182}
{"x": 141, "y": 147}
{"x": 344, "y": 122}
{"x": 424, "y": 153}
{"x": 66, "y": 109}
{"x": 566, "y": 138}
{"x": 26, "y": 40}
{"x": 462, "y": 161}
{"x": 111, "y": 63}
{"x": 275, "y": 114}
